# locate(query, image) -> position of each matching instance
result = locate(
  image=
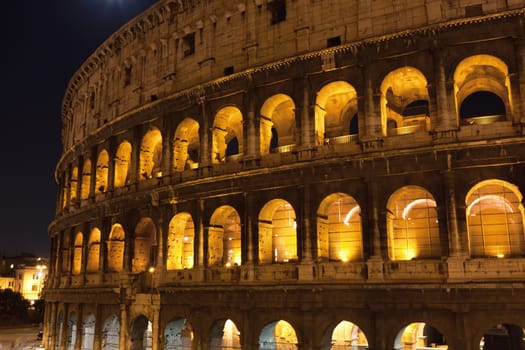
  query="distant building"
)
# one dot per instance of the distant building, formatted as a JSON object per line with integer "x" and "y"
{"x": 24, "y": 275}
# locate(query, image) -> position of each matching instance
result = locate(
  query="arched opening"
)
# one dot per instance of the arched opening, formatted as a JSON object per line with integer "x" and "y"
{"x": 354, "y": 125}
{"x": 145, "y": 244}
{"x": 232, "y": 148}
{"x": 88, "y": 332}
{"x": 141, "y": 334}
{"x": 93, "y": 254}
{"x": 117, "y": 238}
{"x": 335, "y": 106}
{"x": 66, "y": 253}
{"x": 482, "y": 107}
{"x": 178, "y": 335}
{"x": 495, "y": 220}
{"x": 86, "y": 180}
{"x": 224, "y": 237}
{"x": 277, "y": 113}
{"x": 58, "y": 331}
{"x": 339, "y": 235}
{"x": 227, "y": 126}
{"x": 110, "y": 333}
{"x": 482, "y": 90}
{"x": 181, "y": 236}
{"x": 101, "y": 172}
{"x": 412, "y": 224}
{"x": 344, "y": 335}
{"x": 503, "y": 337}
{"x": 225, "y": 336}
{"x": 277, "y": 232}
{"x": 77, "y": 254}
{"x": 122, "y": 162}
{"x": 419, "y": 336}
{"x": 151, "y": 155}
{"x": 404, "y": 102}
{"x": 279, "y": 335}
{"x": 186, "y": 145}
{"x": 73, "y": 182}
{"x": 71, "y": 332}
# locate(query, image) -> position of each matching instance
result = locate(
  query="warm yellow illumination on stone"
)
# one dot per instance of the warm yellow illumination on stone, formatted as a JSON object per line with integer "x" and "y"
{"x": 186, "y": 145}
{"x": 277, "y": 112}
{"x": 180, "y": 242}
{"x": 227, "y": 125}
{"x": 150, "y": 154}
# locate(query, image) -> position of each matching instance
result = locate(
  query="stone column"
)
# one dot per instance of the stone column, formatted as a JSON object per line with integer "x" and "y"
{"x": 112, "y": 150}
{"x": 306, "y": 121}
{"x": 205, "y": 146}
{"x": 123, "y": 336}
{"x": 452, "y": 220}
{"x": 251, "y": 138}
{"x": 443, "y": 118}
{"x": 519, "y": 99}
{"x": 249, "y": 228}
{"x": 160, "y": 243}
{"x": 305, "y": 268}
{"x": 80, "y": 328}
{"x": 375, "y": 262}
{"x": 370, "y": 138}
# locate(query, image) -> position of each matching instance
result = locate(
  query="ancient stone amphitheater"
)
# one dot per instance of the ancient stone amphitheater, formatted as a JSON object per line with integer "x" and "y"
{"x": 295, "y": 174}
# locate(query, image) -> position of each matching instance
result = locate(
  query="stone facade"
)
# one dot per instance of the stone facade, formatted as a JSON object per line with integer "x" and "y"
{"x": 294, "y": 174}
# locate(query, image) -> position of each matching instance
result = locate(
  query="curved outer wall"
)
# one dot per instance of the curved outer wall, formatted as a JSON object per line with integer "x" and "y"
{"x": 209, "y": 147}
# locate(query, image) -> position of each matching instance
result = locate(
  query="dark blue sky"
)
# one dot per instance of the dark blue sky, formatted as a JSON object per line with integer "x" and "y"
{"x": 43, "y": 44}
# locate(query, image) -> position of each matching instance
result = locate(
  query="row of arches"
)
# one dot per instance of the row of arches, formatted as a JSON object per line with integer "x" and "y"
{"x": 482, "y": 95}
{"x": 277, "y": 335}
{"x": 494, "y": 217}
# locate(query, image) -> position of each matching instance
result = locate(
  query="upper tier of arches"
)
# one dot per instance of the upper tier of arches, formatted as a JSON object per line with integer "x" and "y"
{"x": 175, "y": 143}
{"x": 177, "y": 45}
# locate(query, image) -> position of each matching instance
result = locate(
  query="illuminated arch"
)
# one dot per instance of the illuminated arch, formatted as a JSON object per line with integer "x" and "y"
{"x": 186, "y": 145}
{"x": 101, "y": 172}
{"x": 412, "y": 224}
{"x": 85, "y": 187}
{"x": 404, "y": 102}
{"x": 339, "y": 228}
{"x": 66, "y": 253}
{"x": 419, "y": 335}
{"x": 277, "y": 127}
{"x": 145, "y": 243}
{"x": 73, "y": 184}
{"x": 93, "y": 251}
{"x": 151, "y": 154}
{"x": 482, "y": 74}
{"x": 116, "y": 242}
{"x": 344, "y": 335}
{"x": 279, "y": 335}
{"x": 178, "y": 335}
{"x": 495, "y": 219}
{"x": 227, "y": 134}
{"x": 141, "y": 334}
{"x": 181, "y": 238}
{"x": 122, "y": 163}
{"x": 77, "y": 254}
{"x": 335, "y": 106}
{"x": 224, "y": 237}
{"x": 225, "y": 336}
{"x": 111, "y": 333}
{"x": 277, "y": 232}
{"x": 88, "y": 332}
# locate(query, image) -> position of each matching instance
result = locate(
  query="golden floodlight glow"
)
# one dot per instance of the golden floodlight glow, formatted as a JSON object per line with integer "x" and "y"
{"x": 151, "y": 269}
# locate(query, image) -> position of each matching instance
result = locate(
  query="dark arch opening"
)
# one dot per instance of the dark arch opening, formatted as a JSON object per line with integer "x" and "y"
{"x": 232, "y": 147}
{"x": 481, "y": 103}
{"x": 274, "y": 142}
{"x": 417, "y": 107}
{"x": 503, "y": 337}
{"x": 354, "y": 125}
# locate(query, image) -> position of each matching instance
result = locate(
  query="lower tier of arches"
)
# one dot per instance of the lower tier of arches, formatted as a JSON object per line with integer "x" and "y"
{"x": 309, "y": 316}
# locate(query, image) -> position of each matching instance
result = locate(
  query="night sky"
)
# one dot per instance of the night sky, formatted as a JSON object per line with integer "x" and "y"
{"x": 43, "y": 44}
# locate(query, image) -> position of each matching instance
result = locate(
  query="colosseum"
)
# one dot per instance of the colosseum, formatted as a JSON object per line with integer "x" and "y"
{"x": 294, "y": 174}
